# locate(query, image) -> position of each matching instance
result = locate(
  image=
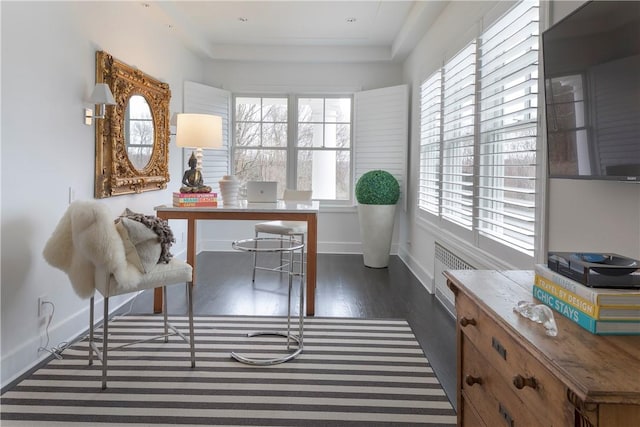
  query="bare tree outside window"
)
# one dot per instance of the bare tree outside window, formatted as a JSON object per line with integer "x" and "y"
{"x": 260, "y": 149}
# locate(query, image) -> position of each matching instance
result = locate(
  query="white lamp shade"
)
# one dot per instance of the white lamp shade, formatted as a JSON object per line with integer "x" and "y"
{"x": 199, "y": 131}
{"x": 102, "y": 95}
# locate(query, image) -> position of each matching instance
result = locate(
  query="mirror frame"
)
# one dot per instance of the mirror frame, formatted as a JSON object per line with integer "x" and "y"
{"x": 114, "y": 173}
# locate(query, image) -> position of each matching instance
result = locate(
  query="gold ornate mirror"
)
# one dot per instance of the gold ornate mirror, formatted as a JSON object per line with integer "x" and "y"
{"x": 132, "y": 142}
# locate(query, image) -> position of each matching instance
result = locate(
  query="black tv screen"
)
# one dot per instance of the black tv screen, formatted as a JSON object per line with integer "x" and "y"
{"x": 592, "y": 90}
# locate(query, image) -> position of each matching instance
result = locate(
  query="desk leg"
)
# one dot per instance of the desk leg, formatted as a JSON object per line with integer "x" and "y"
{"x": 157, "y": 300}
{"x": 191, "y": 260}
{"x": 312, "y": 258}
{"x": 191, "y": 246}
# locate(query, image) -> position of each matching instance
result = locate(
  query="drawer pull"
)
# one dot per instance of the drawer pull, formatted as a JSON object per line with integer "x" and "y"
{"x": 464, "y": 322}
{"x": 505, "y": 414}
{"x": 471, "y": 380}
{"x": 497, "y": 346}
{"x": 521, "y": 382}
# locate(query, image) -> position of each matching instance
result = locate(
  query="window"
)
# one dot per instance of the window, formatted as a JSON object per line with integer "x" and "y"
{"x": 261, "y": 139}
{"x": 479, "y": 130}
{"x": 458, "y": 131}
{"x": 307, "y": 147}
{"x": 324, "y": 147}
{"x": 430, "y": 133}
{"x": 568, "y": 133}
{"x": 508, "y": 128}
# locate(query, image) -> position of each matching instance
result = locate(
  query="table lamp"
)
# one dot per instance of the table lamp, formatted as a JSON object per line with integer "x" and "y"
{"x": 197, "y": 131}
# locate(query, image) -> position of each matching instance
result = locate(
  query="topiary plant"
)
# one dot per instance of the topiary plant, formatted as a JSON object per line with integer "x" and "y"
{"x": 377, "y": 187}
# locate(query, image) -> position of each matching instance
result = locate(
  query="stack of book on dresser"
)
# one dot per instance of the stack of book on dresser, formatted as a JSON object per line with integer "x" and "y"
{"x": 195, "y": 200}
{"x": 602, "y": 311}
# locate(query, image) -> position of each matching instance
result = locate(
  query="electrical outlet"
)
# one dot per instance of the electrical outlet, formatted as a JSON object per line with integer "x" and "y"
{"x": 42, "y": 299}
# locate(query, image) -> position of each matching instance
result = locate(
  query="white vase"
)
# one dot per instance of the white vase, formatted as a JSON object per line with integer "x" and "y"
{"x": 229, "y": 188}
{"x": 376, "y": 230}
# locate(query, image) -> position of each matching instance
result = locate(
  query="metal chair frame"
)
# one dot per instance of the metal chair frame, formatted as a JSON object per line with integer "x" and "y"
{"x": 101, "y": 353}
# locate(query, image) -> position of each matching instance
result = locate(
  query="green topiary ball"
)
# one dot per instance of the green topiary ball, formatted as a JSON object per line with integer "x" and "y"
{"x": 377, "y": 187}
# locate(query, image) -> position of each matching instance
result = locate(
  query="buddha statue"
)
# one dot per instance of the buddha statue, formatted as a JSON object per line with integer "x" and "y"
{"x": 192, "y": 179}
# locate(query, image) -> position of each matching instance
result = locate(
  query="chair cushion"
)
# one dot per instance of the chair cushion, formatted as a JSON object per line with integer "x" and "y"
{"x": 141, "y": 244}
{"x": 175, "y": 271}
{"x": 282, "y": 227}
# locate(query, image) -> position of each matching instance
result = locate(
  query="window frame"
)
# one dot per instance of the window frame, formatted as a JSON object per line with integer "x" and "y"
{"x": 297, "y": 149}
{"x": 292, "y": 150}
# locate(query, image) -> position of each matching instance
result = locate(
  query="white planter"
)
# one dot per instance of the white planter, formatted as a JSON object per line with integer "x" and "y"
{"x": 376, "y": 231}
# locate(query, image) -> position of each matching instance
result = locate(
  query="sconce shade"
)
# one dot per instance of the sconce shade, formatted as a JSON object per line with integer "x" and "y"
{"x": 102, "y": 95}
{"x": 199, "y": 131}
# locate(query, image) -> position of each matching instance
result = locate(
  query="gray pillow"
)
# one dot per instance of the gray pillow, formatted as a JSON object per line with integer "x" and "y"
{"x": 142, "y": 245}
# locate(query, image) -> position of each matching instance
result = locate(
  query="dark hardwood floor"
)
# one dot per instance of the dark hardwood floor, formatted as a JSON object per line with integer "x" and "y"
{"x": 345, "y": 288}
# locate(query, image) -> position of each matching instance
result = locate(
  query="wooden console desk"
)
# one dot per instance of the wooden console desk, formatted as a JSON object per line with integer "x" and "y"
{"x": 511, "y": 374}
{"x": 289, "y": 211}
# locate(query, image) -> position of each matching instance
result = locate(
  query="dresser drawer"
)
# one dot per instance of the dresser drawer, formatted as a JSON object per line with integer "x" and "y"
{"x": 520, "y": 374}
{"x": 467, "y": 415}
{"x": 489, "y": 394}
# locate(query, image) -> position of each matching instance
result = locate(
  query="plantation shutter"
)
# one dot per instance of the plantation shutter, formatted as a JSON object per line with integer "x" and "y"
{"x": 202, "y": 99}
{"x": 430, "y": 132}
{"x": 381, "y": 133}
{"x": 458, "y": 129}
{"x": 508, "y": 128}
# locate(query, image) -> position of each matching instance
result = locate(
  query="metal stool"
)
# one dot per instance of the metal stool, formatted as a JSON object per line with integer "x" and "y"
{"x": 281, "y": 245}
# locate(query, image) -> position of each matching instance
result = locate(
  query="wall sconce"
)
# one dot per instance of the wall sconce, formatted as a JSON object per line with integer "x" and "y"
{"x": 100, "y": 96}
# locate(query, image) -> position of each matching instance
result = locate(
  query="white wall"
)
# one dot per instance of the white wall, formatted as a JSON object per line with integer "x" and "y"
{"x": 48, "y": 71}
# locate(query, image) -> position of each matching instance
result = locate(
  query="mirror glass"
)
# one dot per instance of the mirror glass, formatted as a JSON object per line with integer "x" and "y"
{"x": 138, "y": 132}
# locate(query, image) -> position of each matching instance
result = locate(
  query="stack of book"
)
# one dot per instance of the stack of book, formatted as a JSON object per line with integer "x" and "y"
{"x": 195, "y": 200}
{"x": 601, "y": 311}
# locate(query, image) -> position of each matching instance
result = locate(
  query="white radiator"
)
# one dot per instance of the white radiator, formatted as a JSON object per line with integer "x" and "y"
{"x": 446, "y": 260}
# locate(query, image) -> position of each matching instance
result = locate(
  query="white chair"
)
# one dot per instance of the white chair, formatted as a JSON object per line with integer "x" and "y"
{"x": 291, "y": 229}
{"x": 99, "y": 255}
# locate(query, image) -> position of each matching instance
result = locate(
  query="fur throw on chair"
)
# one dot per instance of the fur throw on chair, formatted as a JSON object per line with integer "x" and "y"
{"x": 86, "y": 238}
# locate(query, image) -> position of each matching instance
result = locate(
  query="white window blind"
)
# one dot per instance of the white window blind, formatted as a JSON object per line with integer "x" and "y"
{"x": 430, "y": 132}
{"x": 508, "y": 127}
{"x": 202, "y": 99}
{"x": 458, "y": 133}
{"x": 381, "y": 133}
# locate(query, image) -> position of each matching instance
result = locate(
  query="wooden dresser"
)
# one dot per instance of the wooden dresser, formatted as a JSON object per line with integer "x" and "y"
{"x": 511, "y": 374}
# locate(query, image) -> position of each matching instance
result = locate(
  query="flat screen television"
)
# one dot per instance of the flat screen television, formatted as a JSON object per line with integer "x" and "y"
{"x": 591, "y": 64}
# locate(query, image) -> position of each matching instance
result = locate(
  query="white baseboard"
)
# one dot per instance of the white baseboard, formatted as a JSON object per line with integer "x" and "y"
{"x": 423, "y": 275}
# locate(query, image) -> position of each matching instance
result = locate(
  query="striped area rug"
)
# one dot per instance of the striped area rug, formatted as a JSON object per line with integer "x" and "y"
{"x": 352, "y": 372}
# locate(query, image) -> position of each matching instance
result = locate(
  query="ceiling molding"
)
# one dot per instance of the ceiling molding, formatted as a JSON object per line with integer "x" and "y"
{"x": 313, "y": 48}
